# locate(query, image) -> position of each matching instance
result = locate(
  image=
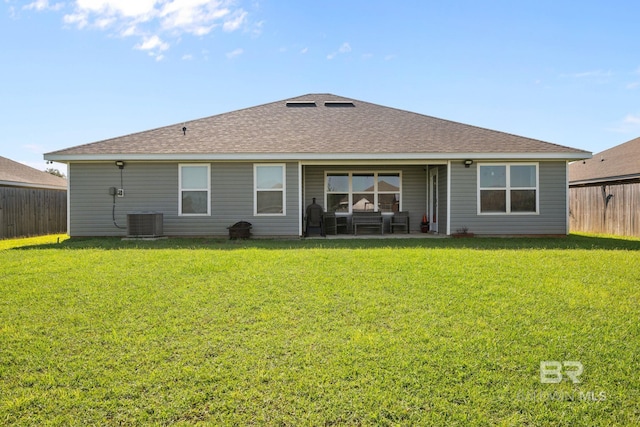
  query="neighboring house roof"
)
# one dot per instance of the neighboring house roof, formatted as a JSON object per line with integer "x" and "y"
{"x": 317, "y": 126}
{"x": 16, "y": 174}
{"x": 619, "y": 163}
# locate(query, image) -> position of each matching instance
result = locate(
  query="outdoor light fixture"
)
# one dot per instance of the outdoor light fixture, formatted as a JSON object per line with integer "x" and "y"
{"x": 120, "y": 164}
{"x": 468, "y": 163}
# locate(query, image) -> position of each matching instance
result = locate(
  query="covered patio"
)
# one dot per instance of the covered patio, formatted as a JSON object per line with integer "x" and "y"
{"x": 346, "y": 191}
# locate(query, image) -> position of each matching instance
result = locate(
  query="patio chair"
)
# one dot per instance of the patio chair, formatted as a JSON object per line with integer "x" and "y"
{"x": 399, "y": 219}
{"x": 334, "y": 224}
{"x": 314, "y": 218}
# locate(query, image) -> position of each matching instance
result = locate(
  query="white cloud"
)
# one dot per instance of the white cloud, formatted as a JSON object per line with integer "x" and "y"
{"x": 129, "y": 31}
{"x": 344, "y": 48}
{"x": 196, "y": 17}
{"x": 593, "y": 73}
{"x": 121, "y": 8}
{"x": 593, "y": 76}
{"x": 635, "y": 84}
{"x": 153, "y": 43}
{"x": 257, "y": 28}
{"x": 150, "y": 19}
{"x": 235, "y": 53}
{"x": 235, "y": 21}
{"x": 632, "y": 119}
{"x": 304, "y": 50}
{"x": 77, "y": 19}
{"x": 12, "y": 12}
{"x": 40, "y": 5}
{"x": 104, "y": 23}
{"x": 629, "y": 124}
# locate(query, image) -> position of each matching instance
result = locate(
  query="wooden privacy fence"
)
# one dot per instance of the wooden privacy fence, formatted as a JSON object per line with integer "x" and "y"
{"x": 609, "y": 209}
{"x": 32, "y": 212}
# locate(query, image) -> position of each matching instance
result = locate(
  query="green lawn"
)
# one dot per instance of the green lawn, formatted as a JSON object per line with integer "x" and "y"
{"x": 361, "y": 332}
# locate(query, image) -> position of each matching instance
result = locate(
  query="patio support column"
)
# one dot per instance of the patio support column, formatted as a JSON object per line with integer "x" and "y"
{"x": 300, "y": 201}
{"x": 69, "y": 199}
{"x": 448, "y": 197}
{"x": 566, "y": 177}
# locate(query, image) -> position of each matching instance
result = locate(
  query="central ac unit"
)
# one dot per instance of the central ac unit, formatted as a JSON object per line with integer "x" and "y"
{"x": 144, "y": 224}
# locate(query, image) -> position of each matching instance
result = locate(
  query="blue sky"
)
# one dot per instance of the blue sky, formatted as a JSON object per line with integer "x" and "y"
{"x": 75, "y": 72}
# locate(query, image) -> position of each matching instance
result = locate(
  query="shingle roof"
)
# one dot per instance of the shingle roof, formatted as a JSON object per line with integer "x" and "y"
{"x": 16, "y": 174}
{"x": 618, "y": 163}
{"x": 314, "y": 124}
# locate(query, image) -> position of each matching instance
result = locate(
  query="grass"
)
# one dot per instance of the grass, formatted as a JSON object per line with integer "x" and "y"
{"x": 360, "y": 332}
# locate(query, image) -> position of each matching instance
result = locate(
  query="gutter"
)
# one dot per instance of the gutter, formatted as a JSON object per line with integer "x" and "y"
{"x": 311, "y": 157}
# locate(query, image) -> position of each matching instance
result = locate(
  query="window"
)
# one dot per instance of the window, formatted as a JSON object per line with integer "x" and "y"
{"x": 195, "y": 195}
{"x": 269, "y": 184}
{"x": 508, "y": 188}
{"x": 363, "y": 191}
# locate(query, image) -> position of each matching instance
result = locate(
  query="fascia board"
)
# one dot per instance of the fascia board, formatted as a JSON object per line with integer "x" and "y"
{"x": 569, "y": 156}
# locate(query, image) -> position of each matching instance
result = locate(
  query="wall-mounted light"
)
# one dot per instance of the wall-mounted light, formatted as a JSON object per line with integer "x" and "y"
{"x": 120, "y": 164}
{"x": 468, "y": 163}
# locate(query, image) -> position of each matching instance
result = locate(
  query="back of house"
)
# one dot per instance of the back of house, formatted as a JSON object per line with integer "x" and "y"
{"x": 265, "y": 164}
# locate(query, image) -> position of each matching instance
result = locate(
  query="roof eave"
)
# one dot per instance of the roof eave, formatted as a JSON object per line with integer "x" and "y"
{"x": 31, "y": 185}
{"x": 69, "y": 158}
{"x": 620, "y": 178}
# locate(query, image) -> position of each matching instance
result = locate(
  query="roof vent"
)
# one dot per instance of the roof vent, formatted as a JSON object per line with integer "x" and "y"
{"x": 339, "y": 104}
{"x": 300, "y": 104}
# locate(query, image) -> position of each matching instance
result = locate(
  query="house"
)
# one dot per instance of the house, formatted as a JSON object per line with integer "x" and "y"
{"x": 605, "y": 191}
{"x": 264, "y": 164}
{"x": 32, "y": 202}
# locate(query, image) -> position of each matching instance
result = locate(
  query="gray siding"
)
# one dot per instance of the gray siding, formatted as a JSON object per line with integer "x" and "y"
{"x": 154, "y": 187}
{"x": 414, "y": 188}
{"x": 552, "y": 218}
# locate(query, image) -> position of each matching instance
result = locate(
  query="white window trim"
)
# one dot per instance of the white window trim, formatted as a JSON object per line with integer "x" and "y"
{"x": 350, "y": 173}
{"x": 283, "y": 189}
{"x": 508, "y": 188}
{"x": 208, "y": 188}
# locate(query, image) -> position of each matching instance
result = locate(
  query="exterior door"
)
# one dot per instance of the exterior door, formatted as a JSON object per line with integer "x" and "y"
{"x": 433, "y": 200}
